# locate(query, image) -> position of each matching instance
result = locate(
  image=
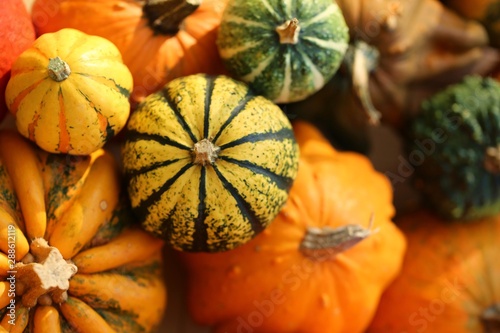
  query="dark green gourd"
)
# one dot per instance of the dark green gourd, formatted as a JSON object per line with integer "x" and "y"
{"x": 285, "y": 50}
{"x": 455, "y": 149}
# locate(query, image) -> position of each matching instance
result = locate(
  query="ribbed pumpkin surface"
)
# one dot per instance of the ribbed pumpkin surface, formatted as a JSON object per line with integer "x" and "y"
{"x": 284, "y": 72}
{"x": 198, "y": 205}
{"x": 455, "y": 149}
{"x": 76, "y": 114}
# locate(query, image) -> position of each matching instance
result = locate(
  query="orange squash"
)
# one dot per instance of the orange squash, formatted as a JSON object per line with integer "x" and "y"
{"x": 320, "y": 264}
{"x": 71, "y": 258}
{"x": 450, "y": 282}
{"x": 159, "y": 40}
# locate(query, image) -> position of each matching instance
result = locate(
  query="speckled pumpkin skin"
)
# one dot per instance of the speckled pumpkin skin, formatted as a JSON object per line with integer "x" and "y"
{"x": 447, "y": 146}
{"x": 251, "y": 49}
{"x": 212, "y": 207}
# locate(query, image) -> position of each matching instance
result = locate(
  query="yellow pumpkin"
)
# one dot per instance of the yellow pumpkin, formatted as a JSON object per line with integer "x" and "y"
{"x": 69, "y": 92}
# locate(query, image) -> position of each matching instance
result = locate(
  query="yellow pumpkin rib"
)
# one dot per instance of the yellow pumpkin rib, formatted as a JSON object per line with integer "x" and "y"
{"x": 46, "y": 319}
{"x": 130, "y": 246}
{"x": 93, "y": 206}
{"x": 83, "y": 318}
{"x": 29, "y": 190}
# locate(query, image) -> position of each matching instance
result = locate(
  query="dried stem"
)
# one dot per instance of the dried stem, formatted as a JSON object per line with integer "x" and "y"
{"x": 205, "y": 152}
{"x": 288, "y": 32}
{"x": 46, "y": 279}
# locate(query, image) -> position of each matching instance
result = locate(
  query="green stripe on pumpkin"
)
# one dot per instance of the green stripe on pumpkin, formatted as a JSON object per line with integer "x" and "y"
{"x": 208, "y": 207}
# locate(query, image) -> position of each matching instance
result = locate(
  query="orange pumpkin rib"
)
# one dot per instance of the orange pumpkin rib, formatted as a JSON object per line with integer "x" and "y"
{"x": 83, "y": 318}
{"x": 46, "y": 319}
{"x": 4, "y": 265}
{"x": 29, "y": 190}
{"x": 118, "y": 252}
{"x": 121, "y": 293}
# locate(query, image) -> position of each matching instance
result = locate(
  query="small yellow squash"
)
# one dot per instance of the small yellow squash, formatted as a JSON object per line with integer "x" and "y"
{"x": 69, "y": 92}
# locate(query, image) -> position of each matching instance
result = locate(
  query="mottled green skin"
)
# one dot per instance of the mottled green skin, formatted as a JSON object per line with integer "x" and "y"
{"x": 453, "y": 178}
{"x": 270, "y": 82}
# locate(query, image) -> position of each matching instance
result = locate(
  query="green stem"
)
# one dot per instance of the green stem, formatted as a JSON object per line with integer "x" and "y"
{"x": 166, "y": 16}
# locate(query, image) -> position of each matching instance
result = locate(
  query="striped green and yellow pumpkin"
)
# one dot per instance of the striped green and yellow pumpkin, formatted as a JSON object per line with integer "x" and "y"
{"x": 208, "y": 163}
{"x": 285, "y": 50}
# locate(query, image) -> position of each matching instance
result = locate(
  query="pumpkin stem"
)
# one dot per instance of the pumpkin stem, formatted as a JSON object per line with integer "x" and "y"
{"x": 492, "y": 159}
{"x": 325, "y": 243}
{"x": 205, "y": 152}
{"x": 166, "y": 16}
{"x": 288, "y": 32}
{"x": 58, "y": 69}
{"x": 491, "y": 319}
{"x": 43, "y": 276}
{"x": 361, "y": 59}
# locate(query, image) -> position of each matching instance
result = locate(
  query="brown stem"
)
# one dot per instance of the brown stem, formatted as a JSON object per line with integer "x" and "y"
{"x": 46, "y": 279}
{"x": 288, "y": 32}
{"x": 361, "y": 60}
{"x": 205, "y": 152}
{"x": 491, "y": 319}
{"x": 325, "y": 243}
{"x": 58, "y": 69}
{"x": 492, "y": 159}
{"x": 166, "y": 16}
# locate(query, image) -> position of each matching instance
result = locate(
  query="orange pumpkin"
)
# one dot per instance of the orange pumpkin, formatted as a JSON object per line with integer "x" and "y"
{"x": 450, "y": 282}
{"x": 320, "y": 263}
{"x": 159, "y": 40}
{"x": 71, "y": 258}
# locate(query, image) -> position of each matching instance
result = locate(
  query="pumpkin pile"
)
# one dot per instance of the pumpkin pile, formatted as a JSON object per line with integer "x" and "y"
{"x": 229, "y": 143}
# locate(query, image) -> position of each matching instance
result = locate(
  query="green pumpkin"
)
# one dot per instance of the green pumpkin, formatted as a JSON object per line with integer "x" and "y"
{"x": 285, "y": 50}
{"x": 455, "y": 148}
{"x": 209, "y": 164}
